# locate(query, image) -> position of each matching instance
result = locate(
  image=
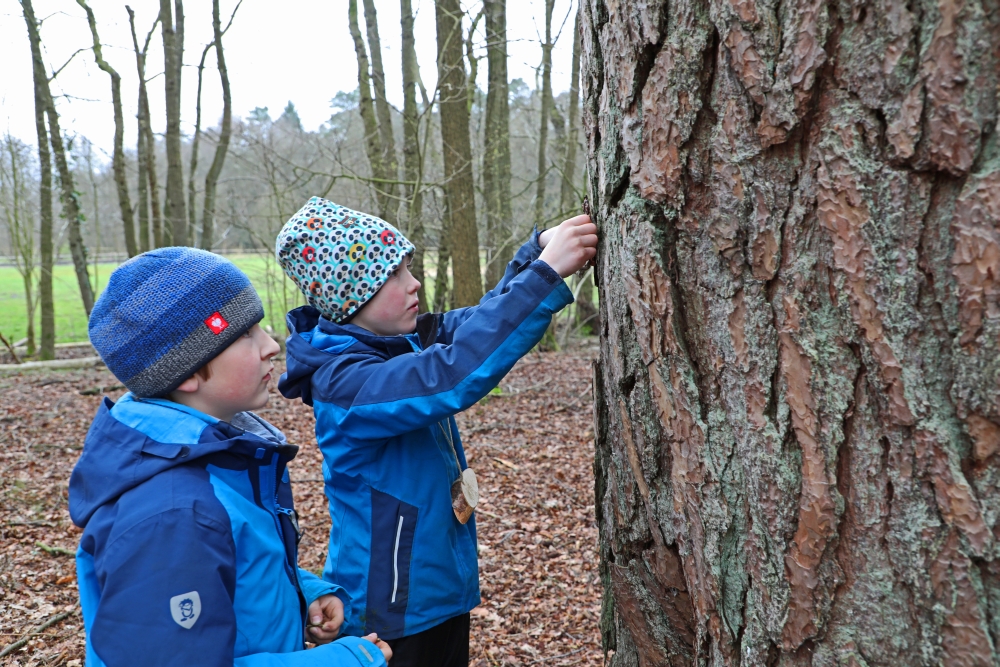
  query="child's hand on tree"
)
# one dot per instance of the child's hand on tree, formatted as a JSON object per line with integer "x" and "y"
{"x": 386, "y": 651}
{"x": 326, "y": 615}
{"x": 568, "y": 247}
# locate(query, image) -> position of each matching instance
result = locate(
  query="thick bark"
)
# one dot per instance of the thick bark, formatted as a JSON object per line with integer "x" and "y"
{"x": 463, "y": 235}
{"x": 225, "y": 132}
{"x": 46, "y": 302}
{"x": 118, "y": 155}
{"x": 390, "y": 164}
{"x": 366, "y": 107}
{"x": 172, "y": 31}
{"x": 546, "y": 109}
{"x": 496, "y": 157}
{"x": 68, "y": 195}
{"x": 797, "y": 424}
{"x": 413, "y": 160}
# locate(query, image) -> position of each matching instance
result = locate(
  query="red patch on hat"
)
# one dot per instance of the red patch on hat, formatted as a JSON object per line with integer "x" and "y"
{"x": 216, "y": 322}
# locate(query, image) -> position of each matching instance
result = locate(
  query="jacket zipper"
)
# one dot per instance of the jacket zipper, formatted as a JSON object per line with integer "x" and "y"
{"x": 395, "y": 561}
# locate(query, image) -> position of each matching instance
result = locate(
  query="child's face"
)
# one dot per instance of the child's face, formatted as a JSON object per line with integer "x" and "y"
{"x": 237, "y": 380}
{"x": 394, "y": 308}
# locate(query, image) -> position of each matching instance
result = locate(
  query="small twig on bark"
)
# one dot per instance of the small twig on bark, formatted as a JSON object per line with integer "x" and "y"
{"x": 10, "y": 348}
{"x": 10, "y": 648}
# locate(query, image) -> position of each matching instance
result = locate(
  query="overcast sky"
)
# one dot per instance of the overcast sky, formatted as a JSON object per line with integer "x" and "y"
{"x": 296, "y": 50}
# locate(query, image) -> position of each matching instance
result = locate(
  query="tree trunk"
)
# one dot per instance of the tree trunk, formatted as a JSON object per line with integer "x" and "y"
{"x": 496, "y": 158}
{"x": 212, "y": 178}
{"x": 195, "y": 146}
{"x": 146, "y": 148}
{"x": 172, "y": 29}
{"x": 373, "y": 144}
{"x": 46, "y": 302}
{"x": 797, "y": 422}
{"x": 118, "y": 156}
{"x": 390, "y": 164}
{"x": 68, "y": 194}
{"x": 463, "y": 240}
{"x": 543, "y": 127}
{"x": 413, "y": 161}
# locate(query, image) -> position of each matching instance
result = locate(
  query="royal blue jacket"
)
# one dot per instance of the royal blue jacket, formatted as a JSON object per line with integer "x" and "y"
{"x": 188, "y": 555}
{"x": 385, "y": 423}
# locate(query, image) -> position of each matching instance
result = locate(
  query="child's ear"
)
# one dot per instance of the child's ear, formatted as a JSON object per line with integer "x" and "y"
{"x": 190, "y": 385}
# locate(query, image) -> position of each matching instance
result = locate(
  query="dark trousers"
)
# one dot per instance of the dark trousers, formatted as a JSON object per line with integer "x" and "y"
{"x": 445, "y": 645}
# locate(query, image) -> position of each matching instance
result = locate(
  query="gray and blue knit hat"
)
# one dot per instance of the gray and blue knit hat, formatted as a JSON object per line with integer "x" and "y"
{"x": 168, "y": 312}
{"x": 339, "y": 258}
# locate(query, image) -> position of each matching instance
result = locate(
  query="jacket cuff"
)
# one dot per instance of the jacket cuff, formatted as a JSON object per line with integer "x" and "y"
{"x": 368, "y": 654}
{"x": 534, "y": 243}
{"x": 547, "y": 273}
{"x": 314, "y": 588}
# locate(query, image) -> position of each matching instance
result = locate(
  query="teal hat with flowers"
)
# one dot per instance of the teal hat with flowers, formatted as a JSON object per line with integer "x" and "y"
{"x": 339, "y": 258}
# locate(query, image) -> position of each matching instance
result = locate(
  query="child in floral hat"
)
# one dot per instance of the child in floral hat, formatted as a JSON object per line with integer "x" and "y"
{"x": 385, "y": 383}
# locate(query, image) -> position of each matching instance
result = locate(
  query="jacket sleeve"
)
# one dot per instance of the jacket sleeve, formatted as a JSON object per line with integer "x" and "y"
{"x": 345, "y": 652}
{"x": 167, "y": 586}
{"x": 371, "y": 398}
{"x": 451, "y": 320}
{"x": 314, "y": 587}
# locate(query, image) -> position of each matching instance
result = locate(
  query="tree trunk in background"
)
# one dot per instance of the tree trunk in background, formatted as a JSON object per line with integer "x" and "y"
{"x": 463, "y": 236}
{"x": 413, "y": 163}
{"x": 221, "y": 148}
{"x": 118, "y": 157}
{"x": 47, "y": 341}
{"x": 373, "y": 144}
{"x": 172, "y": 27}
{"x": 142, "y": 148}
{"x": 797, "y": 421}
{"x": 195, "y": 146}
{"x": 68, "y": 194}
{"x": 543, "y": 127}
{"x": 390, "y": 164}
{"x": 496, "y": 158}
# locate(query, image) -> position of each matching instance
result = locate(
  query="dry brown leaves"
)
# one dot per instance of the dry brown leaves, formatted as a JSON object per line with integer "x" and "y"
{"x": 531, "y": 447}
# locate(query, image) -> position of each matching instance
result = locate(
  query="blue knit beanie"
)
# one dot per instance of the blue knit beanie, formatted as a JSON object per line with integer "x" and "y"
{"x": 168, "y": 312}
{"x": 339, "y": 258}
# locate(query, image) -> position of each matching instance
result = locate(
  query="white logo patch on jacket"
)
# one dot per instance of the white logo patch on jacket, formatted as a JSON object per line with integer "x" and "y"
{"x": 186, "y": 609}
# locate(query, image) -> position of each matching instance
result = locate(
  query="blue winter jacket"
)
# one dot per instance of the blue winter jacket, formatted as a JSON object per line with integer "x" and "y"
{"x": 188, "y": 555}
{"x": 385, "y": 423}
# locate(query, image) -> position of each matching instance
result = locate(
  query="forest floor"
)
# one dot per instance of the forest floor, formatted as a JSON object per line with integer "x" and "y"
{"x": 531, "y": 445}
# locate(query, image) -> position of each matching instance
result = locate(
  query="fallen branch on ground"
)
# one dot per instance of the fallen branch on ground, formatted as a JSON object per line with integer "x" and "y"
{"x": 55, "y": 364}
{"x": 10, "y": 648}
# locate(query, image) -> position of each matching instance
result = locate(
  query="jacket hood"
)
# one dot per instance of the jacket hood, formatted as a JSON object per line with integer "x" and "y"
{"x": 131, "y": 441}
{"x": 314, "y": 341}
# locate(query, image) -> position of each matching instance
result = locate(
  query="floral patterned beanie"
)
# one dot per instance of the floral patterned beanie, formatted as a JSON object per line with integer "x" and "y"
{"x": 339, "y": 258}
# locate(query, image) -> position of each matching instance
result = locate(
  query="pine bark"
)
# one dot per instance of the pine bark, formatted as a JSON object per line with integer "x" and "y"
{"x": 118, "y": 155}
{"x": 172, "y": 30}
{"x": 413, "y": 162}
{"x": 463, "y": 235}
{"x": 46, "y": 302}
{"x": 496, "y": 158}
{"x": 225, "y": 132}
{"x": 797, "y": 424}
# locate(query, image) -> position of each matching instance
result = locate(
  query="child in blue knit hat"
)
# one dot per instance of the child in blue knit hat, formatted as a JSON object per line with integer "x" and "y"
{"x": 188, "y": 555}
{"x": 385, "y": 383}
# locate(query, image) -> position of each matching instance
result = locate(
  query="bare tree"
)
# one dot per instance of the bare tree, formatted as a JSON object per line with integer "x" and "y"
{"x": 172, "y": 31}
{"x": 546, "y": 111}
{"x": 15, "y": 198}
{"x": 212, "y": 178}
{"x": 796, "y": 417}
{"x": 390, "y": 164}
{"x": 463, "y": 235}
{"x": 149, "y": 193}
{"x": 195, "y": 145}
{"x": 413, "y": 157}
{"x": 496, "y": 153}
{"x": 118, "y": 156}
{"x": 47, "y": 349}
{"x": 68, "y": 196}
{"x": 376, "y": 156}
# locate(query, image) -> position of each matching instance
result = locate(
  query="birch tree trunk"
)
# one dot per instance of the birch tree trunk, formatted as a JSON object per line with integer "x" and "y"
{"x": 118, "y": 155}
{"x": 797, "y": 416}
{"x": 496, "y": 160}
{"x": 463, "y": 235}
{"x": 172, "y": 30}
